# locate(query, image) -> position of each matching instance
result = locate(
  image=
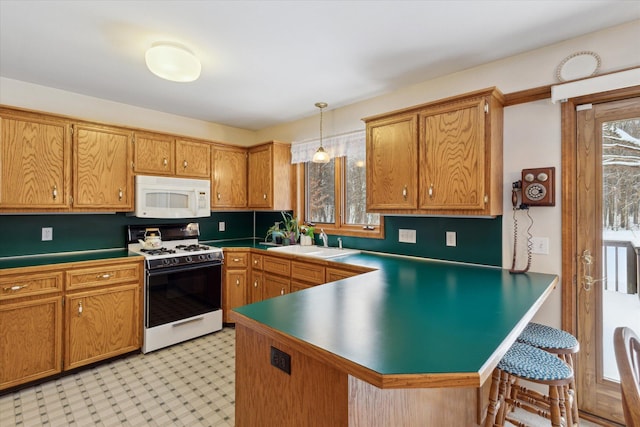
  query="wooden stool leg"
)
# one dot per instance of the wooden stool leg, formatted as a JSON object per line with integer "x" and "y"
{"x": 494, "y": 402}
{"x": 504, "y": 407}
{"x": 554, "y": 399}
{"x": 568, "y": 358}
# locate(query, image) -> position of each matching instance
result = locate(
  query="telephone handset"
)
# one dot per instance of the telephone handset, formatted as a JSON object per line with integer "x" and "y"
{"x": 535, "y": 189}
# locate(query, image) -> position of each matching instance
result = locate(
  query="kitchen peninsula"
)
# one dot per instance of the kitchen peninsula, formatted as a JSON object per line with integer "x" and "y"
{"x": 410, "y": 344}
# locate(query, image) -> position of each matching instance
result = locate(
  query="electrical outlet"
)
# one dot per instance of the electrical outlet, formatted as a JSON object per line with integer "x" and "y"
{"x": 221, "y": 226}
{"x": 281, "y": 360}
{"x": 540, "y": 245}
{"x": 47, "y": 234}
{"x": 451, "y": 238}
{"x": 406, "y": 236}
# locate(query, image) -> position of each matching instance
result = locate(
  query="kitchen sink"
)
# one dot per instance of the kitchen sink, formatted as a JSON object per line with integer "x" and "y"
{"x": 315, "y": 251}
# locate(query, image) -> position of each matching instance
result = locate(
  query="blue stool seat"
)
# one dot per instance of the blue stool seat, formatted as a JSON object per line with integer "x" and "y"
{"x": 548, "y": 338}
{"x": 531, "y": 363}
{"x": 523, "y": 361}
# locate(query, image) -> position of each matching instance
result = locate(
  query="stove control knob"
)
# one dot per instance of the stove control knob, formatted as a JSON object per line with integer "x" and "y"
{"x": 166, "y": 261}
{"x": 210, "y": 256}
{"x": 202, "y": 257}
{"x": 188, "y": 259}
{"x": 176, "y": 260}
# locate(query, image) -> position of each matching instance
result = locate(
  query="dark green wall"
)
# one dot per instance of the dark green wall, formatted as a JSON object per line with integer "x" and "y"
{"x": 478, "y": 240}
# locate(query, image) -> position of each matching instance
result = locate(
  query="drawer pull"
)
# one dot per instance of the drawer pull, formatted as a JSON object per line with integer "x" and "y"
{"x": 54, "y": 192}
{"x": 103, "y": 276}
{"x": 165, "y": 162}
{"x": 236, "y": 260}
{"x": 120, "y": 194}
{"x": 14, "y": 288}
{"x": 79, "y": 308}
{"x": 431, "y": 191}
{"x": 255, "y": 261}
{"x": 282, "y": 291}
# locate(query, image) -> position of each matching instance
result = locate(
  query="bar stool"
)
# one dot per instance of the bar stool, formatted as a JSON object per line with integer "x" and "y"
{"x": 526, "y": 362}
{"x": 560, "y": 343}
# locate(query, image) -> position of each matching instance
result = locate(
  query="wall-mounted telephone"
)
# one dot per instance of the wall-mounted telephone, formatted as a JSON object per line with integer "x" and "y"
{"x": 535, "y": 189}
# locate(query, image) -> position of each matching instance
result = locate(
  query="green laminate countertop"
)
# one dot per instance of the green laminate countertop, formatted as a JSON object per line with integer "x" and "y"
{"x": 63, "y": 257}
{"x": 413, "y": 321}
{"x": 237, "y": 243}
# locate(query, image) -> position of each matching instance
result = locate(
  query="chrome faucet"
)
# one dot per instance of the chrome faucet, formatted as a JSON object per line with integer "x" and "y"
{"x": 323, "y": 236}
{"x": 340, "y": 242}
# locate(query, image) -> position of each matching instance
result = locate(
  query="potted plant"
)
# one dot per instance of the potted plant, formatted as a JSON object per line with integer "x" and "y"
{"x": 306, "y": 234}
{"x": 286, "y": 230}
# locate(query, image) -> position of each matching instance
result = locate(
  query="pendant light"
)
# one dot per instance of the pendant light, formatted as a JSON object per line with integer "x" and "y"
{"x": 320, "y": 155}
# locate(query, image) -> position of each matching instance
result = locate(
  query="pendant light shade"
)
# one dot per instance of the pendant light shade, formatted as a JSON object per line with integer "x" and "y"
{"x": 173, "y": 62}
{"x": 321, "y": 156}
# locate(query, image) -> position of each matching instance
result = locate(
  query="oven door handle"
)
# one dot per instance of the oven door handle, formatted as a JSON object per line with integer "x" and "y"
{"x": 168, "y": 270}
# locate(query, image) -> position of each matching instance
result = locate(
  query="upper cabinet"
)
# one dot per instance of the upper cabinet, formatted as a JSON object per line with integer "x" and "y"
{"x": 270, "y": 177}
{"x": 154, "y": 154}
{"x": 192, "y": 159}
{"x": 158, "y": 154}
{"x": 102, "y": 168}
{"x": 35, "y": 161}
{"x": 229, "y": 177}
{"x": 441, "y": 158}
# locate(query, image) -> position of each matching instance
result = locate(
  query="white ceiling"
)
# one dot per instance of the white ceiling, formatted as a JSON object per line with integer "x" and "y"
{"x": 268, "y": 62}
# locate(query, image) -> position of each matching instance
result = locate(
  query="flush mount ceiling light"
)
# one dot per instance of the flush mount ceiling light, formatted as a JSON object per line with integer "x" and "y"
{"x": 320, "y": 155}
{"x": 172, "y": 61}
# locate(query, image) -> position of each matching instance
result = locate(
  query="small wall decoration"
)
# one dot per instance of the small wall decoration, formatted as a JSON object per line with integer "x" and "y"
{"x": 578, "y": 66}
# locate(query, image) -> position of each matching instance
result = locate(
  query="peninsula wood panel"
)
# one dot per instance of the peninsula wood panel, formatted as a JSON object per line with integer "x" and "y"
{"x": 30, "y": 340}
{"x": 314, "y": 395}
{"x": 229, "y": 177}
{"x": 192, "y": 159}
{"x": 392, "y": 163}
{"x": 103, "y": 178}
{"x": 35, "y": 161}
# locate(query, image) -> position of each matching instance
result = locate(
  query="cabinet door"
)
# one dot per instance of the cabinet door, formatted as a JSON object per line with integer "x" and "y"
{"x": 229, "y": 180}
{"x": 234, "y": 293}
{"x": 154, "y": 154}
{"x": 392, "y": 163}
{"x": 35, "y": 159}
{"x": 102, "y": 168}
{"x": 260, "y": 177}
{"x": 274, "y": 286}
{"x": 192, "y": 159}
{"x": 101, "y": 324}
{"x": 307, "y": 272}
{"x": 30, "y": 340}
{"x": 452, "y": 147}
{"x": 256, "y": 286}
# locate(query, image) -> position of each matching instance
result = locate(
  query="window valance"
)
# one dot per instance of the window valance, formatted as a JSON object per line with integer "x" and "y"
{"x": 351, "y": 144}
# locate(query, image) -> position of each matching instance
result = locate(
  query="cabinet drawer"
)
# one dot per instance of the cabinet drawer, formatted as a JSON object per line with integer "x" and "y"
{"x": 277, "y": 265}
{"x": 20, "y": 285}
{"x": 310, "y": 273}
{"x": 236, "y": 259}
{"x": 334, "y": 274}
{"x": 256, "y": 261}
{"x": 81, "y": 278}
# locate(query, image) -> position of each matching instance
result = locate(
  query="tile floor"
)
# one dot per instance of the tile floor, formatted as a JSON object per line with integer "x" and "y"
{"x": 189, "y": 384}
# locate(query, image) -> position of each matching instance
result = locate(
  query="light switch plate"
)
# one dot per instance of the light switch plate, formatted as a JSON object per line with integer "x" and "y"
{"x": 451, "y": 238}
{"x": 540, "y": 245}
{"x": 221, "y": 226}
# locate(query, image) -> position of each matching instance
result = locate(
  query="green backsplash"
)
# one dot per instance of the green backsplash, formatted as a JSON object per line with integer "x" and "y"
{"x": 478, "y": 240}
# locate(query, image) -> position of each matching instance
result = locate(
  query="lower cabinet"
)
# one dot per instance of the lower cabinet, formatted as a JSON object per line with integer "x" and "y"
{"x": 234, "y": 285}
{"x": 274, "y": 286}
{"x": 102, "y": 316}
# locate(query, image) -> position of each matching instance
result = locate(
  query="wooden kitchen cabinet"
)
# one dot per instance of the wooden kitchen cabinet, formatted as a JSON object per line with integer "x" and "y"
{"x": 229, "y": 177}
{"x": 275, "y": 286}
{"x": 256, "y": 284}
{"x": 333, "y": 274}
{"x": 192, "y": 159}
{"x": 35, "y": 161}
{"x": 30, "y": 324}
{"x": 103, "y": 312}
{"x": 392, "y": 163}
{"x": 103, "y": 178}
{"x": 234, "y": 291}
{"x": 443, "y": 157}
{"x": 270, "y": 177}
{"x": 306, "y": 274}
{"x": 154, "y": 154}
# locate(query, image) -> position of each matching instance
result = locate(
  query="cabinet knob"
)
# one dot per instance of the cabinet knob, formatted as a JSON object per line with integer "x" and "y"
{"x": 255, "y": 284}
{"x": 431, "y": 191}
{"x": 14, "y": 288}
{"x": 54, "y": 192}
{"x": 255, "y": 261}
{"x": 282, "y": 291}
{"x": 165, "y": 162}
{"x": 219, "y": 196}
{"x": 237, "y": 282}
{"x": 264, "y": 196}
{"x": 79, "y": 308}
{"x": 120, "y": 194}
{"x": 184, "y": 164}
{"x": 103, "y": 276}
{"x": 404, "y": 192}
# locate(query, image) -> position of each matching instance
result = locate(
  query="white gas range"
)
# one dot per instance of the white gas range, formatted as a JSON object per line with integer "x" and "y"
{"x": 183, "y": 280}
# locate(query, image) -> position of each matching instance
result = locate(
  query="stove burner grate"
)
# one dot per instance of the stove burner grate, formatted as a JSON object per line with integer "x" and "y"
{"x": 158, "y": 251}
{"x": 192, "y": 248}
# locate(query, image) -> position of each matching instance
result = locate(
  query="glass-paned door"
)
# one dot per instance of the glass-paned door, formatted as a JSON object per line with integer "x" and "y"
{"x": 608, "y": 243}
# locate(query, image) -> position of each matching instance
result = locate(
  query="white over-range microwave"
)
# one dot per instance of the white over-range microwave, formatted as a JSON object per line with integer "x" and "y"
{"x": 167, "y": 197}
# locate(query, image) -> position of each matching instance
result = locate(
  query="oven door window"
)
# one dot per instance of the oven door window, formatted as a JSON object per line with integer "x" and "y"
{"x": 180, "y": 293}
